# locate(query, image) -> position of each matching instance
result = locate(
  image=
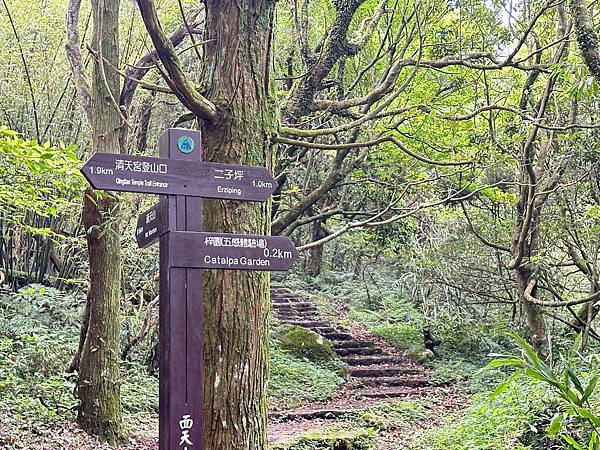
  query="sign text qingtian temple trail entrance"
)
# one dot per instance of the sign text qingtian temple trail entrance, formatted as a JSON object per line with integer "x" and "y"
{"x": 149, "y": 175}
{"x": 182, "y": 179}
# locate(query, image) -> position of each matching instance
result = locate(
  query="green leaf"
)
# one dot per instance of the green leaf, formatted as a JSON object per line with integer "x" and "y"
{"x": 501, "y": 388}
{"x": 587, "y": 414}
{"x": 574, "y": 379}
{"x": 572, "y": 442}
{"x": 556, "y": 424}
{"x": 590, "y": 389}
{"x": 593, "y": 441}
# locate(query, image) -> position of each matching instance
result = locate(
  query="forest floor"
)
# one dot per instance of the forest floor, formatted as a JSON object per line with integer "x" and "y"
{"x": 378, "y": 373}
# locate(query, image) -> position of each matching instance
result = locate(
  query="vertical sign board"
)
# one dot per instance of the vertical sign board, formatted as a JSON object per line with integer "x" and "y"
{"x": 181, "y": 385}
{"x": 152, "y": 224}
{"x": 182, "y": 180}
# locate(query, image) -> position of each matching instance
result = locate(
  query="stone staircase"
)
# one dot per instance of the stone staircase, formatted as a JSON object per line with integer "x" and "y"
{"x": 375, "y": 372}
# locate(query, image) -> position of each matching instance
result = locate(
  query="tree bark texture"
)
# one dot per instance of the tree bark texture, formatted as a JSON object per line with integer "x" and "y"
{"x": 237, "y": 67}
{"x": 98, "y": 384}
{"x": 586, "y": 36}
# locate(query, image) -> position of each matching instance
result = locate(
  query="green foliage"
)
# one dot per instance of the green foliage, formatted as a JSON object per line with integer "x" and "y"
{"x": 293, "y": 381}
{"x": 31, "y": 382}
{"x": 573, "y": 391}
{"x": 139, "y": 392}
{"x": 333, "y": 439}
{"x": 39, "y": 333}
{"x": 463, "y": 374}
{"x": 45, "y": 176}
{"x": 470, "y": 337}
{"x": 490, "y": 424}
{"x": 394, "y": 320}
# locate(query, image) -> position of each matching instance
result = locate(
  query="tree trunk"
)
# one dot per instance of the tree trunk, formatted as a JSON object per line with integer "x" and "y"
{"x": 586, "y": 36}
{"x": 144, "y": 122}
{"x": 533, "y": 312}
{"x": 315, "y": 257}
{"x": 98, "y": 384}
{"x": 237, "y": 65}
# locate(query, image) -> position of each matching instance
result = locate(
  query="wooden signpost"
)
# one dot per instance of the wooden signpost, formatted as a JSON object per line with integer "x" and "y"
{"x": 183, "y": 179}
{"x": 112, "y": 172}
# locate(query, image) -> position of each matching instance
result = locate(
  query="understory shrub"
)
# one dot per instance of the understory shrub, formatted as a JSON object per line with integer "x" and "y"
{"x": 39, "y": 333}
{"x": 491, "y": 423}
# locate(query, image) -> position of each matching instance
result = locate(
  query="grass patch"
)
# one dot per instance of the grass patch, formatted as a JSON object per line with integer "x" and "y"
{"x": 335, "y": 438}
{"x": 293, "y": 381}
{"x": 390, "y": 415}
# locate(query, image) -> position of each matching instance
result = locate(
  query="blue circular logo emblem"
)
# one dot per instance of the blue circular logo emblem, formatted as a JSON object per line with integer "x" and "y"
{"x": 185, "y": 144}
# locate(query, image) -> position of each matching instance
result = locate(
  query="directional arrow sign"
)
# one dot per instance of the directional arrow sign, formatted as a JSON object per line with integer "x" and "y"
{"x": 152, "y": 224}
{"x": 231, "y": 251}
{"x": 112, "y": 172}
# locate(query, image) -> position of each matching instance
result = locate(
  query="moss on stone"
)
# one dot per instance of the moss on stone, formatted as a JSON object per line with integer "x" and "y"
{"x": 305, "y": 343}
{"x": 422, "y": 354}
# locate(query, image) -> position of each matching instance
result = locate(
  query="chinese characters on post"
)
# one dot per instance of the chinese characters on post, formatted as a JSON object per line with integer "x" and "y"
{"x": 186, "y": 424}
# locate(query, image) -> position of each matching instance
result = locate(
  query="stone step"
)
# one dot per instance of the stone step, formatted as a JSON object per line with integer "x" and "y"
{"x": 297, "y": 306}
{"x": 385, "y": 392}
{"x": 309, "y": 414}
{"x": 383, "y": 371}
{"x": 294, "y": 311}
{"x": 359, "y": 351}
{"x": 372, "y": 360}
{"x": 289, "y": 300}
{"x": 395, "y": 381}
{"x": 297, "y": 316}
{"x": 322, "y": 330}
{"x": 296, "y": 319}
{"x": 280, "y": 291}
{"x": 352, "y": 343}
{"x": 338, "y": 336}
{"x": 314, "y": 324}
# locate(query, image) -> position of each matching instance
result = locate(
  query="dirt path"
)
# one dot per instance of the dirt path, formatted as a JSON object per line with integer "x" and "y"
{"x": 378, "y": 373}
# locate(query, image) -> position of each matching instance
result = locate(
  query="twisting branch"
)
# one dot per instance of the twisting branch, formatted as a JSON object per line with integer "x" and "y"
{"x": 374, "y": 222}
{"x": 483, "y": 240}
{"x": 182, "y": 88}
{"x": 532, "y": 284}
{"x": 142, "y": 83}
{"x": 372, "y": 143}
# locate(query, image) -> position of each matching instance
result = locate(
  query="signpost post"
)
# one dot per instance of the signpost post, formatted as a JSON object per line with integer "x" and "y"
{"x": 183, "y": 179}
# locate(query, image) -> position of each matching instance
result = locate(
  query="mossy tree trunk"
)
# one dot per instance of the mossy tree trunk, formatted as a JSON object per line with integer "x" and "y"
{"x": 98, "y": 384}
{"x": 237, "y": 67}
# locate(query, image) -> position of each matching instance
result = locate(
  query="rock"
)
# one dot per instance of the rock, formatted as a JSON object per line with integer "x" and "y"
{"x": 306, "y": 343}
{"x": 422, "y": 354}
